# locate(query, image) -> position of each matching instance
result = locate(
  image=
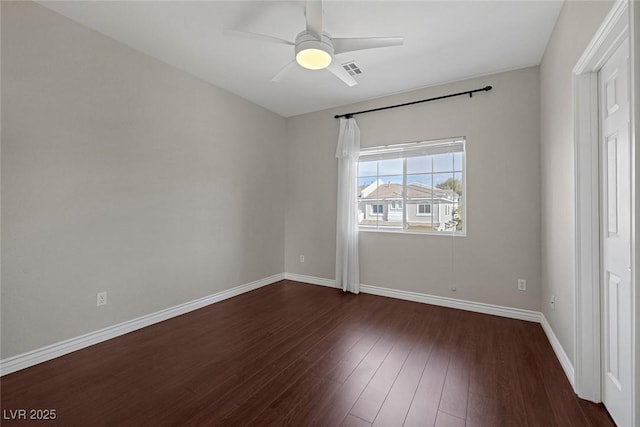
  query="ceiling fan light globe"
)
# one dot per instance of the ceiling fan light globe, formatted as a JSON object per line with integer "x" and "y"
{"x": 313, "y": 53}
{"x": 313, "y": 59}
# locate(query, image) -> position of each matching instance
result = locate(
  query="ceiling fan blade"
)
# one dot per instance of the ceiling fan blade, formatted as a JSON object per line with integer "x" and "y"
{"x": 342, "y": 45}
{"x": 341, "y": 73}
{"x": 284, "y": 72}
{"x": 313, "y": 14}
{"x": 256, "y": 36}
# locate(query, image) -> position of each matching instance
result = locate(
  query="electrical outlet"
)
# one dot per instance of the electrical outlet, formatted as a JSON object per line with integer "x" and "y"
{"x": 553, "y": 303}
{"x": 522, "y": 285}
{"x": 301, "y": 258}
{"x": 102, "y": 298}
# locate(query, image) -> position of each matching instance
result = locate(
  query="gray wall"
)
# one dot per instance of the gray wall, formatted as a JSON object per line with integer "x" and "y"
{"x": 503, "y": 193}
{"x": 576, "y": 26}
{"x": 122, "y": 174}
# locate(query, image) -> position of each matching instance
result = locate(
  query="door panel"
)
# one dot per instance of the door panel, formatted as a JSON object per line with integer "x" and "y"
{"x": 612, "y": 301}
{"x": 615, "y": 201}
{"x": 612, "y": 185}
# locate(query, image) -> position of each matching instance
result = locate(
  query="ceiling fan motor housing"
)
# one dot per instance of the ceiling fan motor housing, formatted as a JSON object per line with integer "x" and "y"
{"x": 306, "y": 43}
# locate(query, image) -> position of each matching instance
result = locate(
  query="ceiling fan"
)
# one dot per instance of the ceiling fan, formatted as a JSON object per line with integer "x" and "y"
{"x": 315, "y": 49}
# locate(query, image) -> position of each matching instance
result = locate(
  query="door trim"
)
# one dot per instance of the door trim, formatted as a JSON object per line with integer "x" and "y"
{"x": 634, "y": 135}
{"x": 616, "y": 26}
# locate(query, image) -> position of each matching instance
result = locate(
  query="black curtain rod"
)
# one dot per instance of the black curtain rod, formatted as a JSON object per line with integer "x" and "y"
{"x": 469, "y": 92}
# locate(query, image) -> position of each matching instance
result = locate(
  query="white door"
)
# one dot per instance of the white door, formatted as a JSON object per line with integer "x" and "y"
{"x": 615, "y": 225}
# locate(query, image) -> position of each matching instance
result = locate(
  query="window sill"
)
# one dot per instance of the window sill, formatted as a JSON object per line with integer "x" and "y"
{"x": 420, "y": 233}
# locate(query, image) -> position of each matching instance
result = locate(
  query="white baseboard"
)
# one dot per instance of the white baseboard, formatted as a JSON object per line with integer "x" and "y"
{"x": 310, "y": 279}
{"x": 565, "y": 362}
{"x": 479, "y": 307}
{"x": 52, "y": 351}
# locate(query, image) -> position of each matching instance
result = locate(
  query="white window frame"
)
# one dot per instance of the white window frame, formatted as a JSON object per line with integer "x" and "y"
{"x": 429, "y": 205}
{"x": 373, "y": 210}
{"x": 414, "y": 149}
{"x": 394, "y": 203}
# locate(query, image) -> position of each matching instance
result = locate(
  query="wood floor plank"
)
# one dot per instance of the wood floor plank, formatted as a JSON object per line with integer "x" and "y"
{"x": 352, "y": 421}
{"x": 304, "y": 392}
{"x": 565, "y": 407}
{"x": 510, "y": 395}
{"x": 318, "y": 363}
{"x": 396, "y": 405}
{"x": 497, "y": 400}
{"x": 596, "y": 414}
{"x": 484, "y": 411}
{"x": 372, "y": 398}
{"x": 255, "y": 392}
{"x": 341, "y": 370}
{"x": 337, "y": 407}
{"x": 303, "y": 355}
{"x": 236, "y": 368}
{"x": 447, "y": 420}
{"x": 334, "y": 409}
{"x": 537, "y": 404}
{"x": 456, "y": 385}
{"x": 423, "y": 410}
{"x": 485, "y": 366}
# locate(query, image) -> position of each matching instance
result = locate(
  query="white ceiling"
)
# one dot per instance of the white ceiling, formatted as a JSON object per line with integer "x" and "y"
{"x": 444, "y": 41}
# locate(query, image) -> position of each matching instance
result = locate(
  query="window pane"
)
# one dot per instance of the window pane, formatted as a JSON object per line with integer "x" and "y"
{"x": 390, "y": 191}
{"x": 423, "y": 179}
{"x": 365, "y": 181}
{"x": 390, "y": 181}
{"x": 457, "y": 177}
{"x": 370, "y": 211}
{"x": 420, "y": 164}
{"x": 443, "y": 181}
{"x": 368, "y": 168}
{"x": 443, "y": 162}
{"x": 390, "y": 167}
{"x": 457, "y": 161}
{"x": 457, "y": 215}
{"x": 446, "y": 195}
{"x": 367, "y": 193}
{"x": 419, "y": 201}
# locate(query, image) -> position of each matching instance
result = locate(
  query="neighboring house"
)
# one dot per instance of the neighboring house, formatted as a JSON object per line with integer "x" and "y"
{"x": 428, "y": 208}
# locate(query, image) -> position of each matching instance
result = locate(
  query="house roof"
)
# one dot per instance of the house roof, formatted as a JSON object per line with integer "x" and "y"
{"x": 414, "y": 190}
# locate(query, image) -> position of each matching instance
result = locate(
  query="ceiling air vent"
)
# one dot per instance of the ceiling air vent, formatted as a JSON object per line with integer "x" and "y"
{"x": 352, "y": 68}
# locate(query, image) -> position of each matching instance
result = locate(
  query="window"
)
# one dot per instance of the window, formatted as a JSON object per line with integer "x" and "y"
{"x": 422, "y": 184}
{"x": 424, "y": 209}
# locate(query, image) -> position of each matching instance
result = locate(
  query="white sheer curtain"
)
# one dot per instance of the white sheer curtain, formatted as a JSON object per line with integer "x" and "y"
{"x": 347, "y": 265}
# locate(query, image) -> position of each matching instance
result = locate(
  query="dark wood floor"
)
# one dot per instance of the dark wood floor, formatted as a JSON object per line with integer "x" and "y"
{"x": 295, "y": 354}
